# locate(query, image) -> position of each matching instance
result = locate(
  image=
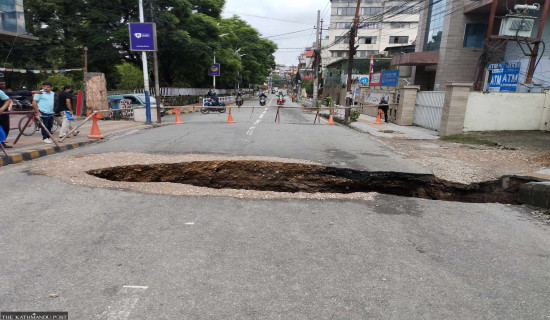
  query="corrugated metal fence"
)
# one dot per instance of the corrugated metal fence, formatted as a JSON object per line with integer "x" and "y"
{"x": 428, "y": 109}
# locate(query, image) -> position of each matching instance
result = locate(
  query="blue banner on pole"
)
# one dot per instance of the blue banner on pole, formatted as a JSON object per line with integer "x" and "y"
{"x": 214, "y": 70}
{"x": 143, "y": 37}
{"x": 390, "y": 78}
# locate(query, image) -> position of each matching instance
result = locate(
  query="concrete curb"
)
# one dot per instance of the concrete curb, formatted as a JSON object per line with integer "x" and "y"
{"x": 535, "y": 194}
{"x": 31, "y": 154}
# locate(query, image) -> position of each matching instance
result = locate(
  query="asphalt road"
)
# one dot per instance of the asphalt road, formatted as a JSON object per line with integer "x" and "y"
{"x": 111, "y": 254}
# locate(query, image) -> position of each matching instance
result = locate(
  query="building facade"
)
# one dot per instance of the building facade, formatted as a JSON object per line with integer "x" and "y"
{"x": 382, "y": 24}
{"x": 450, "y": 45}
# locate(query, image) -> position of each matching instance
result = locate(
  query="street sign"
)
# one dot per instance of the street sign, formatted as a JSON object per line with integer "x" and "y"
{"x": 376, "y": 79}
{"x": 390, "y": 78}
{"x": 214, "y": 70}
{"x": 143, "y": 36}
{"x": 364, "y": 80}
{"x": 504, "y": 76}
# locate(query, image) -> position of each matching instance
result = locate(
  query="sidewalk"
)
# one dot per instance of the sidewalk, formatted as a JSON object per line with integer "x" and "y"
{"x": 387, "y": 129}
{"x": 28, "y": 148}
{"x": 391, "y": 130}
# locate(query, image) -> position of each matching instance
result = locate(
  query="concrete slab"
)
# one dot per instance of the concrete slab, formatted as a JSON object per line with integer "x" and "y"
{"x": 535, "y": 194}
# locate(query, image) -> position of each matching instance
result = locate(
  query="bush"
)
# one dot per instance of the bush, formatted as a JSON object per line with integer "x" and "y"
{"x": 354, "y": 115}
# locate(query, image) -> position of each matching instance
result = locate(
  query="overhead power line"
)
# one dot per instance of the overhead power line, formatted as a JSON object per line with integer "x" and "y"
{"x": 263, "y": 17}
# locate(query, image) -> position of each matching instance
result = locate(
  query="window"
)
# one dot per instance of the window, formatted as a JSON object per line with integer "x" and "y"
{"x": 405, "y": 10}
{"x": 474, "y": 35}
{"x": 343, "y": 25}
{"x": 367, "y": 40}
{"x": 365, "y": 53}
{"x": 434, "y": 30}
{"x": 340, "y": 54}
{"x": 370, "y": 11}
{"x": 368, "y": 25}
{"x": 344, "y": 40}
{"x": 345, "y": 11}
{"x": 399, "y": 39}
{"x": 400, "y": 25}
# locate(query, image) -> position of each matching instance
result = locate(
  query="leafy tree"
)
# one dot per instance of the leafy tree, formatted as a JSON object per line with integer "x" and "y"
{"x": 58, "y": 81}
{"x": 188, "y": 33}
{"x": 131, "y": 77}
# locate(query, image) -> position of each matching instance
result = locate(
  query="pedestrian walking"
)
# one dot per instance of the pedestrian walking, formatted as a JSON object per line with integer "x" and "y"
{"x": 5, "y": 96}
{"x": 5, "y": 118}
{"x": 66, "y": 110}
{"x": 383, "y": 105}
{"x": 43, "y": 104}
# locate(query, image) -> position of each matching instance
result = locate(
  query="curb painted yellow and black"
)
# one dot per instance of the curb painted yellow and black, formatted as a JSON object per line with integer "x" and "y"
{"x": 30, "y": 154}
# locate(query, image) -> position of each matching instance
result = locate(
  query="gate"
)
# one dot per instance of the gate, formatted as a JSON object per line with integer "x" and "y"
{"x": 428, "y": 109}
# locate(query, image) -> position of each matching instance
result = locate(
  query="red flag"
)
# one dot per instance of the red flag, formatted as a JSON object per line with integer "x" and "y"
{"x": 371, "y": 69}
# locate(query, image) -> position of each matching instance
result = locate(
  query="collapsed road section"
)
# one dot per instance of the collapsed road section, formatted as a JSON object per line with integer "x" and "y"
{"x": 308, "y": 178}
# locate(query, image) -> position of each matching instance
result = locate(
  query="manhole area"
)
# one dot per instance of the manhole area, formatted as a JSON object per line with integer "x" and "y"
{"x": 296, "y": 177}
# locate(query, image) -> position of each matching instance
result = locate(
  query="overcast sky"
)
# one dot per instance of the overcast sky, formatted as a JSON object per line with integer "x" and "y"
{"x": 278, "y": 17}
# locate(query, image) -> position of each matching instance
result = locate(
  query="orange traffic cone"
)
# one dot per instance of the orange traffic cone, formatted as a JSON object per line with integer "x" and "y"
{"x": 331, "y": 118}
{"x": 95, "y": 134}
{"x": 178, "y": 119}
{"x": 379, "y": 119}
{"x": 230, "y": 117}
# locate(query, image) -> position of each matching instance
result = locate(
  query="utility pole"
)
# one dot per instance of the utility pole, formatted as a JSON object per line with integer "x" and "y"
{"x": 214, "y": 77}
{"x": 317, "y": 55}
{"x": 145, "y": 69}
{"x": 351, "y": 53}
{"x": 85, "y": 49}
{"x": 155, "y": 65}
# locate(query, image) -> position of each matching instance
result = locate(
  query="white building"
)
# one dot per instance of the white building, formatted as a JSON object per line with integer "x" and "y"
{"x": 381, "y": 24}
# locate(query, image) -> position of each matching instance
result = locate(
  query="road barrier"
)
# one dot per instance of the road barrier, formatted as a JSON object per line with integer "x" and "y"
{"x": 230, "y": 117}
{"x": 178, "y": 119}
{"x": 379, "y": 118}
{"x": 95, "y": 134}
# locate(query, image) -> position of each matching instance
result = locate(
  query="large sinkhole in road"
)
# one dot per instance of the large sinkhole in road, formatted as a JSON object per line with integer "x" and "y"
{"x": 296, "y": 177}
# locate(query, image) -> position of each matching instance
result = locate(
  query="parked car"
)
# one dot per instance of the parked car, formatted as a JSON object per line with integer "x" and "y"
{"x": 137, "y": 99}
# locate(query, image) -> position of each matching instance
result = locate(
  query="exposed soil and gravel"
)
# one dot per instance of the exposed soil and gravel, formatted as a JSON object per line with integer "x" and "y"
{"x": 469, "y": 163}
{"x": 73, "y": 169}
{"x": 299, "y": 177}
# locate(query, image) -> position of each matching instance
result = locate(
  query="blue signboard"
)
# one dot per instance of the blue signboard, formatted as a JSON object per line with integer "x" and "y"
{"x": 364, "y": 80}
{"x": 143, "y": 37}
{"x": 504, "y": 76}
{"x": 214, "y": 70}
{"x": 390, "y": 78}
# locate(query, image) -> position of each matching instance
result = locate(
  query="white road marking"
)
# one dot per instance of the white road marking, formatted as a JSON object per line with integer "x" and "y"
{"x": 121, "y": 308}
{"x": 251, "y": 130}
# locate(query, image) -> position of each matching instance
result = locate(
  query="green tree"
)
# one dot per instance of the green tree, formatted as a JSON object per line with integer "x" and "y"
{"x": 58, "y": 81}
{"x": 188, "y": 33}
{"x": 131, "y": 77}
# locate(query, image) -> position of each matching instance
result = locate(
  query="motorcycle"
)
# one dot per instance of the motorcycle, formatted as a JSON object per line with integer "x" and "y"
{"x": 209, "y": 106}
{"x": 239, "y": 101}
{"x": 262, "y": 101}
{"x": 280, "y": 101}
{"x": 21, "y": 103}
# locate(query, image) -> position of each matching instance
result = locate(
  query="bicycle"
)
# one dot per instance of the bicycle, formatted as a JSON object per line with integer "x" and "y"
{"x": 33, "y": 126}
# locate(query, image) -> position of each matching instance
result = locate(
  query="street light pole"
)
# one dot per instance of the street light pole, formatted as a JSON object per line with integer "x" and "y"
{"x": 214, "y": 77}
{"x": 145, "y": 73}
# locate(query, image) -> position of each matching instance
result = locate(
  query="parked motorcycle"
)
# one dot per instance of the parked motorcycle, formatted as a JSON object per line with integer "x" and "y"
{"x": 21, "y": 103}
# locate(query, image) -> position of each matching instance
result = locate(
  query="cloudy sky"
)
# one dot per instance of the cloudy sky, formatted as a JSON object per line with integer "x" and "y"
{"x": 289, "y": 23}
